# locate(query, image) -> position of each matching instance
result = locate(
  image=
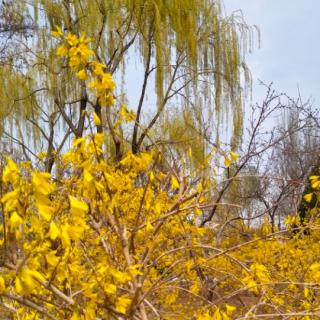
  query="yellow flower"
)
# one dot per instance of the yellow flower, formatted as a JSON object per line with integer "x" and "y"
{"x": 15, "y": 220}
{"x": 230, "y": 309}
{"x": 65, "y": 238}
{"x": 98, "y": 68}
{"x": 77, "y": 205}
{"x": 75, "y": 316}
{"x": 174, "y": 183}
{"x": 72, "y": 39}
{"x": 62, "y": 50}
{"x": 127, "y": 115}
{"x": 10, "y": 172}
{"x": 2, "y": 284}
{"x": 45, "y": 211}
{"x": 109, "y": 101}
{"x": 96, "y": 119}
{"x": 122, "y": 304}
{"x": 110, "y": 288}
{"x": 83, "y": 38}
{"x": 58, "y": 32}
{"x": 308, "y": 197}
{"x": 27, "y": 280}
{"x": 107, "y": 82}
{"x": 52, "y": 259}
{"x": 18, "y": 285}
{"x": 74, "y": 62}
{"x": 82, "y": 74}
{"x": 234, "y": 156}
{"x": 54, "y": 232}
{"x": 41, "y": 183}
{"x": 227, "y": 162}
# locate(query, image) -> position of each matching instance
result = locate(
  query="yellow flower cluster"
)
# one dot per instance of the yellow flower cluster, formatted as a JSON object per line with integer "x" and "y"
{"x": 80, "y": 239}
{"x": 100, "y": 239}
{"x": 77, "y": 51}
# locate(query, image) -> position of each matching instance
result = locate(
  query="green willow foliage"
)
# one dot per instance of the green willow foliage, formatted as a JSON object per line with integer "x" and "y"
{"x": 194, "y": 50}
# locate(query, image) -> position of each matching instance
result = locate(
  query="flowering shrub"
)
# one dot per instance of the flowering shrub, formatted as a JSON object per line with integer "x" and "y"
{"x": 103, "y": 240}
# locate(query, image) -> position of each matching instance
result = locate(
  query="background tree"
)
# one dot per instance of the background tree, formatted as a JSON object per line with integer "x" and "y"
{"x": 295, "y": 157}
{"x": 16, "y": 29}
{"x": 208, "y": 58}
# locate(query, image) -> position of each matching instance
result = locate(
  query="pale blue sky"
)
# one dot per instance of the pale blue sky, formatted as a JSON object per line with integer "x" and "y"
{"x": 290, "y": 45}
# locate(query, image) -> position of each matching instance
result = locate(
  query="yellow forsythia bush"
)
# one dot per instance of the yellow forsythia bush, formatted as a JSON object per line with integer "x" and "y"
{"x": 102, "y": 240}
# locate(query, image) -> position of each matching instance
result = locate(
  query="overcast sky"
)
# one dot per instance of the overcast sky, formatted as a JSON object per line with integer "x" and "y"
{"x": 290, "y": 44}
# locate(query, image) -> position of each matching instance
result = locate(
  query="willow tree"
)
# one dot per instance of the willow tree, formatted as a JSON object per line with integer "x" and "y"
{"x": 192, "y": 56}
